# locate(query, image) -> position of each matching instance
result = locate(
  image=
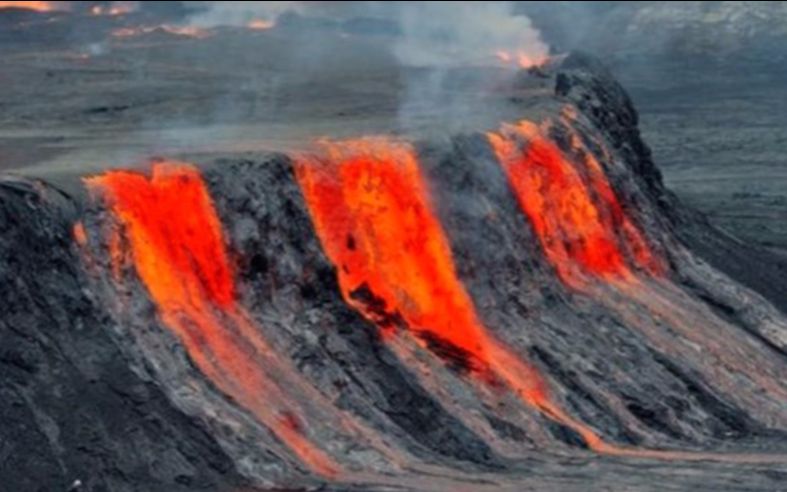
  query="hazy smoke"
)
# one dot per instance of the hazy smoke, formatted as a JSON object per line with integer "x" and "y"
{"x": 464, "y": 33}
{"x": 430, "y": 33}
{"x": 441, "y": 36}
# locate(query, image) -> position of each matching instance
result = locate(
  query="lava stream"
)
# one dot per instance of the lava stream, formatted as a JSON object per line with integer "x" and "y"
{"x": 36, "y": 6}
{"x": 578, "y": 219}
{"x": 177, "y": 247}
{"x": 370, "y": 208}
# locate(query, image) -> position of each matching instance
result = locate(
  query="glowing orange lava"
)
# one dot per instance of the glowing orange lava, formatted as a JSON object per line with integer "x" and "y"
{"x": 521, "y": 59}
{"x": 260, "y": 24}
{"x": 37, "y": 6}
{"x": 370, "y": 208}
{"x": 80, "y": 236}
{"x": 177, "y": 246}
{"x": 579, "y": 222}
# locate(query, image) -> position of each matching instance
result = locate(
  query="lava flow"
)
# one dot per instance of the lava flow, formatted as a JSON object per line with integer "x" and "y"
{"x": 580, "y": 236}
{"x": 370, "y": 208}
{"x": 37, "y": 6}
{"x": 176, "y": 242}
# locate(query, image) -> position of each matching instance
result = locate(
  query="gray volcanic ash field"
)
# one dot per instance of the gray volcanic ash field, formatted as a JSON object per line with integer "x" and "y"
{"x": 306, "y": 252}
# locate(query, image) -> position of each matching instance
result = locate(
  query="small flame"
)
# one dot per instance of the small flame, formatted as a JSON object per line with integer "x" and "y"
{"x": 371, "y": 209}
{"x": 261, "y": 24}
{"x": 173, "y": 235}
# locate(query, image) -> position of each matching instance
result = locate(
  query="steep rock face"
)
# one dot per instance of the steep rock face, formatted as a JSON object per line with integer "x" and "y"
{"x": 644, "y": 352}
{"x": 501, "y": 263}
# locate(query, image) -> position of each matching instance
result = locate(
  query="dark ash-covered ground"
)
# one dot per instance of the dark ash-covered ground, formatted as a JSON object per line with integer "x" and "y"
{"x": 95, "y": 388}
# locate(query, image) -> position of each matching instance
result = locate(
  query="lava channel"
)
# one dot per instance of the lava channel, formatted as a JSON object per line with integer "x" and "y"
{"x": 579, "y": 221}
{"x": 36, "y": 6}
{"x": 177, "y": 246}
{"x": 370, "y": 208}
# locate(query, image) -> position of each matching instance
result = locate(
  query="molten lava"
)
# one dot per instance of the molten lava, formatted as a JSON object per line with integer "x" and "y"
{"x": 370, "y": 208}
{"x": 578, "y": 219}
{"x": 177, "y": 246}
{"x": 260, "y": 24}
{"x": 36, "y": 6}
{"x": 80, "y": 236}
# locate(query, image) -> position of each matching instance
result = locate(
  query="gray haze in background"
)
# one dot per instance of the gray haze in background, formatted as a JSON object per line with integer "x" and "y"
{"x": 429, "y": 33}
{"x": 435, "y": 38}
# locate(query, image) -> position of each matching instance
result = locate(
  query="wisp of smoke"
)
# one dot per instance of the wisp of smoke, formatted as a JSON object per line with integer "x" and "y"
{"x": 441, "y": 36}
{"x": 430, "y": 40}
{"x": 463, "y": 33}
{"x": 432, "y": 34}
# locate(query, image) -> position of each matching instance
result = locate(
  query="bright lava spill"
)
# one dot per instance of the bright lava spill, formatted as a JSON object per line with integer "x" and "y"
{"x": 370, "y": 207}
{"x": 579, "y": 221}
{"x": 177, "y": 246}
{"x": 37, "y": 6}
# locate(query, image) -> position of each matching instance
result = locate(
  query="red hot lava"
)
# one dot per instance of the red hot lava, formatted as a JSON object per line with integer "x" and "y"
{"x": 370, "y": 207}
{"x": 577, "y": 218}
{"x": 177, "y": 246}
{"x": 37, "y": 6}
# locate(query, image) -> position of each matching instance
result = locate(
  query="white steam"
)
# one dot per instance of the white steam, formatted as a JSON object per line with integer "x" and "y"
{"x": 431, "y": 34}
{"x": 240, "y": 13}
{"x": 464, "y": 33}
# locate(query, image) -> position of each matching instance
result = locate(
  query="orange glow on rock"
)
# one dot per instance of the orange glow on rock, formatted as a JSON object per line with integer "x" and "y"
{"x": 177, "y": 246}
{"x": 521, "y": 59}
{"x": 80, "y": 236}
{"x": 579, "y": 221}
{"x": 370, "y": 207}
{"x": 372, "y": 216}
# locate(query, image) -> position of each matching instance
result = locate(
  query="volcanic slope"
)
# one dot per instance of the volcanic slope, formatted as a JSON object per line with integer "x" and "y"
{"x": 525, "y": 306}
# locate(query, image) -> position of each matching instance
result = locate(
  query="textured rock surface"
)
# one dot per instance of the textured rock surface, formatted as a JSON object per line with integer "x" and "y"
{"x": 74, "y": 406}
{"x": 96, "y": 388}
